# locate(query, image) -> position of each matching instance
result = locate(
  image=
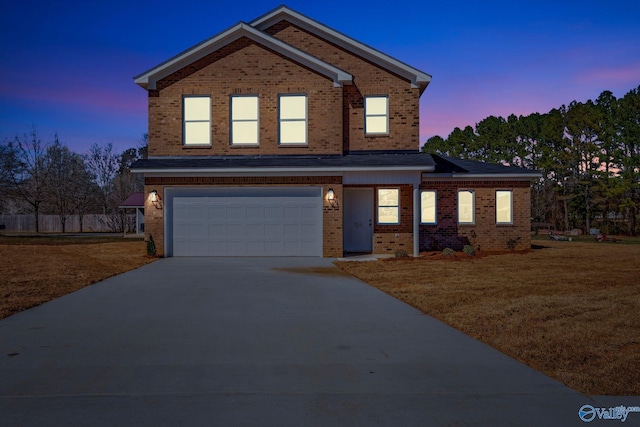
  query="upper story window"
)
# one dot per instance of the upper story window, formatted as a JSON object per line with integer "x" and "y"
{"x": 428, "y": 202}
{"x": 293, "y": 119}
{"x": 466, "y": 207}
{"x": 504, "y": 207}
{"x": 244, "y": 120}
{"x": 196, "y": 113}
{"x": 376, "y": 115}
{"x": 388, "y": 206}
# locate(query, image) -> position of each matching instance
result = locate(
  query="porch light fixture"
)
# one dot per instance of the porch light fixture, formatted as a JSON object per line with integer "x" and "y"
{"x": 332, "y": 199}
{"x": 155, "y": 199}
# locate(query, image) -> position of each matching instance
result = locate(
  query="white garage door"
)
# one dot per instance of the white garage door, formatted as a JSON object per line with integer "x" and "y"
{"x": 247, "y": 222}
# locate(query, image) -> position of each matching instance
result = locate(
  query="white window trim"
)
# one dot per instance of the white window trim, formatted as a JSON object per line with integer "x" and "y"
{"x": 232, "y": 121}
{"x": 386, "y": 115}
{"x": 473, "y": 207}
{"x": 435, "y": 193}
{"x": 387, "y": 206}
{"x": 185, "y": 121}
{"x": 510, "y": 222}
{"x": 305, "y": 120}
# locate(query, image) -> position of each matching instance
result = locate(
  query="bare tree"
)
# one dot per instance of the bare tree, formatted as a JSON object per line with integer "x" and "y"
{"x": 27, "y": 175}
{"x": 103, "y": 164}
{"x": 68, "y": 181}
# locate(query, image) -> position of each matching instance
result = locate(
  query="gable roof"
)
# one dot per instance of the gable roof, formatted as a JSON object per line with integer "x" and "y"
{"x": 148, "y": 79}
{"x": 418, "y": 79}
{"x": 135, "y": 200}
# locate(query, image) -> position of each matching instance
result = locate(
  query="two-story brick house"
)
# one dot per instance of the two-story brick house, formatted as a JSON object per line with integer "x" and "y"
{"x": 284, "y": 137}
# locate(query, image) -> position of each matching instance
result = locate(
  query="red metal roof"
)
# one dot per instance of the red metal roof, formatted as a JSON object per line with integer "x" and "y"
{"x": 135, "y": 200}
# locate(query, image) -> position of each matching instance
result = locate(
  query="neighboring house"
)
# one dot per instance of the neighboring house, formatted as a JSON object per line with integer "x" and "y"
{"x": 135, "y": 202}
{"x": 284, "y": 137}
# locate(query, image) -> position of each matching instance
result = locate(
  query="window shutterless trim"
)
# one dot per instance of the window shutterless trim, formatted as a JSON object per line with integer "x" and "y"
{"x": 185, "y": 121}
{"x": 397, "y": 207}
{"x": 305, "y": 120}
{"x": 435, "y": 207}
{"x": 385, "y": 115}
{"x": 473, "y": 207}
{"x": 232, "y": 121}
{"x": 510, "y": 222}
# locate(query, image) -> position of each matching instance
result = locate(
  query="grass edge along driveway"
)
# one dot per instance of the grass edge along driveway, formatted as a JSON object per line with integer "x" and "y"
{"x": 568, "y": 309}
{"x": 36, "y": 270}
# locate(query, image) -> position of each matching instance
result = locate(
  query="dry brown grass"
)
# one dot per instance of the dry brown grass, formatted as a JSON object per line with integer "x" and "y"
{"x": 570, "y": 309}
{"x": 32, "y": 274}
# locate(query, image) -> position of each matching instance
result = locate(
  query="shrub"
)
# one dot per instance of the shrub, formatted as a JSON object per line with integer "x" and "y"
{"x": 448, "y": 252}
{"x": 151, "y": 246}
{"x": 401, "y": 253}
{"x": 512, "y": 243}
{"x": 468, "y": 250}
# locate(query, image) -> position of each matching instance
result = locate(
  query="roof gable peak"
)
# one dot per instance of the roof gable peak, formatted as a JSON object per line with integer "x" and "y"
{"x": 418, "y": 79}
{"x": 149, "y": 78}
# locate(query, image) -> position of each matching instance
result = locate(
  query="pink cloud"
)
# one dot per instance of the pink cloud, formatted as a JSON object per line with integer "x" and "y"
{"x": 607, "y": 76}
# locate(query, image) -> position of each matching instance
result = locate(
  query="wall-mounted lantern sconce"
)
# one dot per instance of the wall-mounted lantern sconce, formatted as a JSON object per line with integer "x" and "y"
{"x": 332, "y": 199}
{"x": 155, "y": 199}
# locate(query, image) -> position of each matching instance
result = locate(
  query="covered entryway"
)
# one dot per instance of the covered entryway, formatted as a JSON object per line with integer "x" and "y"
{"x": 244, "y": 221}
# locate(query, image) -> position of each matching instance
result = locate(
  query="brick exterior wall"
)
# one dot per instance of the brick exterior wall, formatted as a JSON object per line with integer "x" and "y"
{"x": 369, "y": 79}
{"x": 485, "y": 234}
{"x": 331, "y": 214}
{"x": 245, "y": 68}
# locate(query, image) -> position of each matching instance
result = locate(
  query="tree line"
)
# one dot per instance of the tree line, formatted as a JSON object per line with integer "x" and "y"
{"x": 40, "y": 178}
{"x": 587, "y": 152}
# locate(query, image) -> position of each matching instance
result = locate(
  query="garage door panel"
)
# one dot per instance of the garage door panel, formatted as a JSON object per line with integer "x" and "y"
{"x": 272, "y": 212}
{"x": 248, "y": 222}
{"x": 255, "y": 230}
{"x": 217, "y": 213}
{"x": 255, "y": 213}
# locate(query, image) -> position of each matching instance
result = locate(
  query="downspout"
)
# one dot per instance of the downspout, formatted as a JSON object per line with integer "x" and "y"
{"x": 416, "y": 219}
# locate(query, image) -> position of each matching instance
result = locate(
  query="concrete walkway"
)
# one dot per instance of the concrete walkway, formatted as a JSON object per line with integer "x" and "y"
{"x": 253, "y": 342}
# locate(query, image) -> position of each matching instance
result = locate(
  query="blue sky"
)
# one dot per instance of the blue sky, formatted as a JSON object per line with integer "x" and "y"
{"x": 68, "y": 66}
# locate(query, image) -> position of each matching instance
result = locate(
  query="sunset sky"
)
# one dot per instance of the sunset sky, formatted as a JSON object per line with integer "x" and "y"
{"x": 68, "y": 66}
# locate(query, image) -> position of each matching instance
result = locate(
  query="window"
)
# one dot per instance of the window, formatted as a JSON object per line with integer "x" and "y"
{"x": 244, "y": 120}
{"x": 504, "y": 207}
{"x": 428, "y": 207}
{"x": 293, "y": 119}
{"x": 376, "y": 115}
{"x": 196, "y": 113}
{"x": 466, "y": 207}
{"x": 388, "y": 206}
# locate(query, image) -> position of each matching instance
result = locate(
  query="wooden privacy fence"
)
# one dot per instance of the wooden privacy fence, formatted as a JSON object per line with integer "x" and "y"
{"x": 96, "y": 223}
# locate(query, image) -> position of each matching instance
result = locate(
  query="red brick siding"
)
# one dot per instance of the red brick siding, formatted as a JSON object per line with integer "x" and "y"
{"x": 245, "y": 67}
{"x": 485, "y": 234}
{"x": 369, "y": 79}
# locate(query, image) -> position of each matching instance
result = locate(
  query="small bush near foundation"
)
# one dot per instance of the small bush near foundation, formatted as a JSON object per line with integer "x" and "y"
{"x": 468, "y": 250}
{"x": 401, "y": 253}
{"x": 151, "y": 246}
{"x": 512, "y": 243}
{"x": 448, "y": 252}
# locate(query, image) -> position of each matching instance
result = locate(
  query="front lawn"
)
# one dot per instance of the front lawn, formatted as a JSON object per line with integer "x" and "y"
{"x": 568, "y": 309}
{"x": 34, "y": 270}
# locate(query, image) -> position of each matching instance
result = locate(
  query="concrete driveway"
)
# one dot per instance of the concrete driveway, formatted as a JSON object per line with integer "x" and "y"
{"x": 257, "y": 341}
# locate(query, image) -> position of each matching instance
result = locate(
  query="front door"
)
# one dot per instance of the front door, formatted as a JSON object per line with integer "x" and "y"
{"x": 358, "y": 219}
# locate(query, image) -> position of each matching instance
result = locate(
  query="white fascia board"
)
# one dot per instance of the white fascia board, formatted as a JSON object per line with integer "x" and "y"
{"x": 282, "y": 171}
{"x": 462, "y": 176}
{"x": 149, "y": 78}
{"x": 418, "y": 79}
